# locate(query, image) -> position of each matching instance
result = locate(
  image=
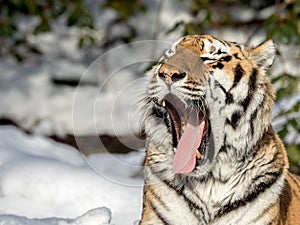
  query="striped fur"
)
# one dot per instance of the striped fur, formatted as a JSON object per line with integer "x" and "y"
{"x": 244, "y": 176}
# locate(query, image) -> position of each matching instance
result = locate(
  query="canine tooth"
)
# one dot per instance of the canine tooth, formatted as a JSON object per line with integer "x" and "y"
{"x": 175, "y": 150}
{"x": 198, "y": 155}
{"x": 183, "y": 126}
{"x": 163, "y": 103}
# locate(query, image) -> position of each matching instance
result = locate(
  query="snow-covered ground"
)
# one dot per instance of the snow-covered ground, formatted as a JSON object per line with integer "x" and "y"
{"x": 40, "y": 178}
{"x": 99, "y": 216}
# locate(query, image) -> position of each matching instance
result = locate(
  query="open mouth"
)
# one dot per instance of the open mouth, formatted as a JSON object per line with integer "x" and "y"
{"x": 190, "y": 132}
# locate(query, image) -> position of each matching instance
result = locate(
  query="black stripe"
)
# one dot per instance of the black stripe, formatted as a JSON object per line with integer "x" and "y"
{"x": 238, "y": 73}
{"x": 218, "y": 65}
{"x": 220, "y": 86}
{"x": 201, "y": 45}
{"x": 225, "y": 146}
{"x": 159, "y": 114}
{"x": 245, "y": 103}
{"x": 252, "y": 118}
{"x": 152, "y": 87}
{"x": 226, "y": 58}
{"x": 252, "y": 80}
{"x": 190, "y": 186}
{"x": 207, "y": 59}
{"x": 154, "y": 209}
{"x": 253, "y": 193}
{"x": 252, "y": 86}
{"x": 275, "y": 157}
{"x": 145, "y": 100}
{"x": 194, "y": 206}
{"x": 254, "y": 115}
{"x": 229, "y": 96}
{"x": 169, "y": 185}
{"x": 235, "y": 118}
{"x": 191, "y": 88}
{"x": 236, "y": 56}
{"x": 197, "y": 96}
{"x": 223, "y": 42}
{"x": 295, "y": 180}
{"x": 193, "y": 97}
{"x": 223, "y": 149}
{"x": 267, "y": 175}
{"x": 158, "y": 198}
{"x": 296, "y": 194}
{"x": 166, "y": 182}
{"x": 192, "y": 82}
{"x": 285, "y": 201}
{"x": 239, "y": 47}
{"x": 219, "y": 52}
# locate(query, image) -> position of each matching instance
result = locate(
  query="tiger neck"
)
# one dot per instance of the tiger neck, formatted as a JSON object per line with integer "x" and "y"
{"x": 238, "y": 125}
{"x": 228, "y": 164}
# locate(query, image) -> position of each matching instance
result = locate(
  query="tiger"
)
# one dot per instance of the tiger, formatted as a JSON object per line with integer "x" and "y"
{"x": 212, "y": 155}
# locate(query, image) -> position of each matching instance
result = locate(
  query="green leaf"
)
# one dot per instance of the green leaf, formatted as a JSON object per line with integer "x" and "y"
{"x": 44, "y": 26}
{"x": 283, "y": 132}
{"x": 175, "y": 27}
{"x": 19, "y": 57}
{"x": 81, "y": 42}
{"x": 294, "y": 153}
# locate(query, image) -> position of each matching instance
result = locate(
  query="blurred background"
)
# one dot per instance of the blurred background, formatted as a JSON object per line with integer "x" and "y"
{"x": 71, "y": 69}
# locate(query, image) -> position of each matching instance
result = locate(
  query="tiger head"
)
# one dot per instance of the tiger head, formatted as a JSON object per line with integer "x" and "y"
{"x": 207, "y": 105}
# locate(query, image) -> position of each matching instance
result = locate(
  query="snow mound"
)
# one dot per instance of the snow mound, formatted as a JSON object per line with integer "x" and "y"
{"x": 98, "y": 216}
{"x": 94, "y": 217}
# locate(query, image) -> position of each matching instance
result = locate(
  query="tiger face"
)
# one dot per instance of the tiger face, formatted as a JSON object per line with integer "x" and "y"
{"x": 208, "y": 102}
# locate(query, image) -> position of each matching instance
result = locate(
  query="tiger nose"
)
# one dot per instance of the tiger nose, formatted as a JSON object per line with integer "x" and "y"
{"x": 171, "y": 76}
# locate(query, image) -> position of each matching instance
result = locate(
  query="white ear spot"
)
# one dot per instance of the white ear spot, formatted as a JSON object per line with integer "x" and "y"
{"x": 264, "y": 54}
{"x": 171, "y": 51}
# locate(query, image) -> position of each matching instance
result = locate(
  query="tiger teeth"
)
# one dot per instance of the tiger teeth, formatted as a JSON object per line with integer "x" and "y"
{"x": 183, "y": 126}
{"x": 163, "y": 103}
{"x": 198, "y": 155}
{"x": 175, "y": 150}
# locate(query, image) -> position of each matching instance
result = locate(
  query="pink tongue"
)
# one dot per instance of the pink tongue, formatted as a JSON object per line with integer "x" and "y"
{"x": 185, "y": 156}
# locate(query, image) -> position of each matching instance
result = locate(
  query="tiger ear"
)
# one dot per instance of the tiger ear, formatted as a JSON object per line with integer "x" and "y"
{"x": 264, "y": 54}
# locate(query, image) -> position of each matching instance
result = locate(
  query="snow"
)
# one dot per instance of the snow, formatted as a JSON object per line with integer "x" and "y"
{"x": 99, "y": 216}
{"x": 40, "y": 178}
